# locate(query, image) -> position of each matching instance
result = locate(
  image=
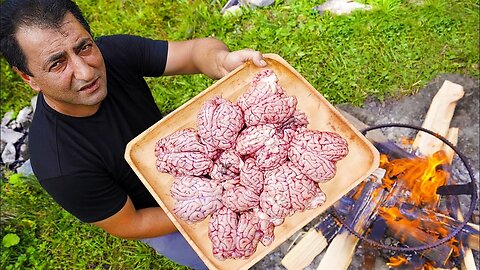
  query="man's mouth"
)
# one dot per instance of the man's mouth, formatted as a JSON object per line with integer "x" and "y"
{"x": 89, "y": 88}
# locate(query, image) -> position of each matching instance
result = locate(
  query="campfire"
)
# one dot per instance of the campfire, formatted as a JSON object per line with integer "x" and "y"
{"x": 408, "y": 211}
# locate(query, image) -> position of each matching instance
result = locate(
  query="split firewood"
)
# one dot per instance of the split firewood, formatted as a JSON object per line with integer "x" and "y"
{"x": 434, "y": 222}
{"x": 414, "y": 237}
{"x": 340, "y": 252}
{"x": 438, "y": 118}
{"x": 452, "y": 137}
{"x": 312, "y": 243}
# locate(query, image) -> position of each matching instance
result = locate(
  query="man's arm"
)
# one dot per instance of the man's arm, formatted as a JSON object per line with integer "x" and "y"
{"x": 209, "y": 56}
{"x": 129, "y": 223}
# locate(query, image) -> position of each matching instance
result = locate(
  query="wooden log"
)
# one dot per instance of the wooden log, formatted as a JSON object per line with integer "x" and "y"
{"x": 438, "y": 118}
{"x": 311, "y": 244}
{"x": 431, "y": 221}
{"x": 377, "y": 232}
{"x": 452, "y": 137}
{"x": 414, "y": 237}
{"x": 340, "y": 251}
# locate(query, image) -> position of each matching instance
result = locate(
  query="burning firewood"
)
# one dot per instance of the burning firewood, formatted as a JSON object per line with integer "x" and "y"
{"x": 340, "y": 251}
{"x": 434, "y": 222}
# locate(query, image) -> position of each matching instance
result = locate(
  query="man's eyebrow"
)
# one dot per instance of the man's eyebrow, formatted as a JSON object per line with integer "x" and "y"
{"x": 80, "y": 44}
{"x": 54, "y": 57}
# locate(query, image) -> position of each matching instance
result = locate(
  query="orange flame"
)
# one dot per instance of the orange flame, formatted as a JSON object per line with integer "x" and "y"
{"x": 420, "y": 176}
{"x": 397, "y": 261}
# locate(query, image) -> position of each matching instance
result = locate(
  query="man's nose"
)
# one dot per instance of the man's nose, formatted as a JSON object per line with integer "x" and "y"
{"x": 81, "y": 69}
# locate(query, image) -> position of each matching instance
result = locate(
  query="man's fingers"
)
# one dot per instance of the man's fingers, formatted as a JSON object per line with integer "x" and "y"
{"x": 255, "y": 56}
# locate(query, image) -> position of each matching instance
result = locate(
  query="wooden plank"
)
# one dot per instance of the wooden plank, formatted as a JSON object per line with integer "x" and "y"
{"x": 438, "y": 118}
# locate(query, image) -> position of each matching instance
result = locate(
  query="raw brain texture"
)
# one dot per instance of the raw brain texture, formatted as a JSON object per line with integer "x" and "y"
{"x": 248, "y": 165}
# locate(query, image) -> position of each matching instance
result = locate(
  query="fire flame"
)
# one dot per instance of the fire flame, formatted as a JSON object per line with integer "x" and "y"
{"x": 397, "y": 261}
{"x": 421, "y": 176}
{"x": 415, "y": 182}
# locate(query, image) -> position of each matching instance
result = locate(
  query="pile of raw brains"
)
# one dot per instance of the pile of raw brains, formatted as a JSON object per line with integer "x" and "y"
{"x": 249, "y": 164}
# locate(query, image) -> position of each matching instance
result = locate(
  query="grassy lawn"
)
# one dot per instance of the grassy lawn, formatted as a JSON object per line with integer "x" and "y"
{"x": 390, "y": 51}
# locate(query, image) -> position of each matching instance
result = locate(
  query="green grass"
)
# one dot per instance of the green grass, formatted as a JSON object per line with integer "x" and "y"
{"x": 391, "y": 51}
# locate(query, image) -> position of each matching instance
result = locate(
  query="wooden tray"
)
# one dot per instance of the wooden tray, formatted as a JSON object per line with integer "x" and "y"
{"x": 362, "y": 159}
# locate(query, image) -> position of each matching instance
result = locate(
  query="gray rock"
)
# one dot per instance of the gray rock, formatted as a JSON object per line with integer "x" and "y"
{"x": 23, "y": 152}
{"x": 257, "y": 3}
{"x": 24, "y": 117}
{"x": 25, "y": 169}
{"x": 341, "y": 7}
{"x": 7, "y": 118}
{"x": 9, "y": 154}
{"x": 9, "y": 135}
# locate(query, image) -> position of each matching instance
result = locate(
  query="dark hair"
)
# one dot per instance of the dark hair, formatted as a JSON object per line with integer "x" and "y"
{"x": 40, "y": 13}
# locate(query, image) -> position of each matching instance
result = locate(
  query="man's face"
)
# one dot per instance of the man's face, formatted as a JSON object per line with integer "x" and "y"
{"x": 66, "y": 65}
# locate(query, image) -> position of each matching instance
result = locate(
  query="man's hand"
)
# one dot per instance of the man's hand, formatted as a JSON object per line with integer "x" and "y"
{"x": 232, "y": 60}
{"x": 209, "y": 56}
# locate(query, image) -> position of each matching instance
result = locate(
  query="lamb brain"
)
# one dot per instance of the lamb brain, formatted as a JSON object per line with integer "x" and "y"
{"x": 266, "y": 102}
{"x": 288, "y": 190}
{"x": 219, "y": 123}
{"x": 226, "y": 166}
{"x": 272, "y": 110}
{"x": 264, "y": 85}
{"x": 315, "y": 153}
{"x": 253, "y": 138}
{"x": 182, "y": 153}
{"x": 275, "y": 199}
{"x": 185, "y": 163}
{"x": 196, "y": 197}
{"x": 248, "y": 235}
{"x": 240, "y": 198}
{"x": 251, "y": 176}
{"x": 186, "y": 140}
{"x": 222, "y": 232}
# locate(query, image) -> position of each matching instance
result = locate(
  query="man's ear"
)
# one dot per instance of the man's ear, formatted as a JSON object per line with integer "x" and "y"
{"x": 30, "y": 80}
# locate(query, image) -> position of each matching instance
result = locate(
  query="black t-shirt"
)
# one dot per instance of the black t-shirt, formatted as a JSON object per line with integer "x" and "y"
{"x": 80, "y": 160}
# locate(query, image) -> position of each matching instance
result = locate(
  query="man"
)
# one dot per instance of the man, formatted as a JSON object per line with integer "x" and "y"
{"x": 92, "y": 101}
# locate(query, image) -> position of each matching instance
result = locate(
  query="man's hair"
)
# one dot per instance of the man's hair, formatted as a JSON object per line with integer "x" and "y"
{"x": 27, "y": 13}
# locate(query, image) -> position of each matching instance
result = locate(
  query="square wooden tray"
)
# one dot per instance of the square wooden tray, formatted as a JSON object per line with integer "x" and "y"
{"x": 361, "y": 160}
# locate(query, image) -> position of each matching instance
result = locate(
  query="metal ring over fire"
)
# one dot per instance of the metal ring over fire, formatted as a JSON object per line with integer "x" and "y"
{"x": 444, "y": 239}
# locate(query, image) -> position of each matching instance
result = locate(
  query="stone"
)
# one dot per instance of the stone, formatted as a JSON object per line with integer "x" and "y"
{"x": 7, "y": 118}
{"x": 341, "y": 7}
{"x": 8, "y": 135}
{"x": 9, "y": 154}
{"x": 24, "y": 117}
{"x": 258, "y": 3}
{"x": 23, "y": 152}
{"x": 26, "y": 169}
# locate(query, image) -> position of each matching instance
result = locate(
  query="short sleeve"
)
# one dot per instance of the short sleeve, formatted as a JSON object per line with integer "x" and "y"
{"x": 90, "y": 198}
{"x": 143, "y": 56}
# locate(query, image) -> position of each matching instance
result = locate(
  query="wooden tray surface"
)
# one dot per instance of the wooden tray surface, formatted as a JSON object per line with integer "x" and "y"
{"x": 361, "y": 160}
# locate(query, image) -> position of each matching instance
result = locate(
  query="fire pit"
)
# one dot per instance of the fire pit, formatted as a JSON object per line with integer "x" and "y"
{"x": 428, "y": 229}
{"x": 421, "y": 224}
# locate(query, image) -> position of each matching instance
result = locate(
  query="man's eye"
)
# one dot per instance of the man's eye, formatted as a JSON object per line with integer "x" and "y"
{"x": 86, "y": 47}
{"x": 56, "y": 65}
